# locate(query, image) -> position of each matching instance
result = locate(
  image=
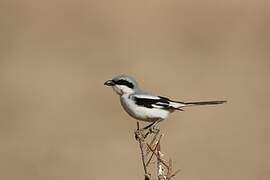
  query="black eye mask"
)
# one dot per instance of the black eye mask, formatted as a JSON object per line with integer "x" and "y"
{"x": 124, "y": 82}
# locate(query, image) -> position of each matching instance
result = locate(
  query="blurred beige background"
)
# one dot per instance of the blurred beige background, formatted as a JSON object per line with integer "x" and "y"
{"x": 58, "y": 121}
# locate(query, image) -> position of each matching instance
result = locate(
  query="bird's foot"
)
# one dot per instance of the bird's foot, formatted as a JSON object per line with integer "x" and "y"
{"x": 154, "y": 130}
{"x": 147, "y": 130}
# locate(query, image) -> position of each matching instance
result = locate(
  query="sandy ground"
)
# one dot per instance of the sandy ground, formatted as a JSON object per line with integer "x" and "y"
{"x": 58, "y": 121}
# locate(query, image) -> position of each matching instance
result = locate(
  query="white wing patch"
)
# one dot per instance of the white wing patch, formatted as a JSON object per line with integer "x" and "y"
{"x": 145, "y": 96}
{"x": 159, "y": 102}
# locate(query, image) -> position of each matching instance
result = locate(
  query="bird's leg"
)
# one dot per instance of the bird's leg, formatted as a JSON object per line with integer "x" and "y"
{"x": 149, "y": 126}
{"x": 153, "y": 128}
{"x": 146, "y": 128}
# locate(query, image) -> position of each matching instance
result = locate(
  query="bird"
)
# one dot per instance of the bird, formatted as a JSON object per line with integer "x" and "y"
{"x": 145, "y": 106}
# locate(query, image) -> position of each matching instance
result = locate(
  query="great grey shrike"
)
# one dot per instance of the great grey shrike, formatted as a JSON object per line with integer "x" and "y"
{"x": 145, "y": 106}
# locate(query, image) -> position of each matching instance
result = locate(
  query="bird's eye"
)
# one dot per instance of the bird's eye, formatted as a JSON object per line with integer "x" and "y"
{"x": 125, "y": 83}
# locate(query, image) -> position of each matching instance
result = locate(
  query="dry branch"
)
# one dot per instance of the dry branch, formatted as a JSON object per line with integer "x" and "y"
{"x": 150, "y": 148}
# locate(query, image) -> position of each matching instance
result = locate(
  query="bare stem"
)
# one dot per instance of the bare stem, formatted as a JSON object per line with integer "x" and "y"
{"x": 149, "y": 149}
{"x": 140, "y": 139}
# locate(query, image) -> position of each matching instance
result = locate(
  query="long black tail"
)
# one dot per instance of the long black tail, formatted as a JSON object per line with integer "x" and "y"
{"x": 204, "y": 103}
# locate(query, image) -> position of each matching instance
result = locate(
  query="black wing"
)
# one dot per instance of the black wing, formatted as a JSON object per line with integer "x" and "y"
{"x": 149, "y": 101}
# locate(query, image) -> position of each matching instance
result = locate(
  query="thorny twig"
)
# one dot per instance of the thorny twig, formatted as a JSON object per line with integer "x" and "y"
{"x": 140, "y": 138}
{"x": 155, "y": 148}
{"x": 164, "y": 169}
{"x": 158, "y": 155}
{"x": 160, "y": 169}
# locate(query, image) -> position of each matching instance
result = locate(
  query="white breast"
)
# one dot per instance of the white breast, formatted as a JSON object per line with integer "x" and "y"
{"x": 142, "y": 113}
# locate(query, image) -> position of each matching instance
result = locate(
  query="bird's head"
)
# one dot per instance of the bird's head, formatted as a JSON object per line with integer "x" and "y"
{"x": 122, "y": 84}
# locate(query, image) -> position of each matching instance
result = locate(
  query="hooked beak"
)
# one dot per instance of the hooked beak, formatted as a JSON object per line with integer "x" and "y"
{"x": 109, "y": 83}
